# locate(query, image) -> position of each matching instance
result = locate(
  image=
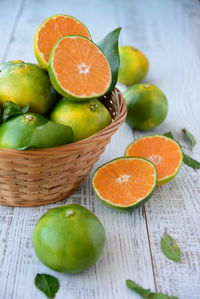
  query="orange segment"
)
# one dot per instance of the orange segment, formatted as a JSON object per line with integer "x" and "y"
{"x": 51, "y": 30}
{"x": 78, "y": 68}
{"x": 164, "y": 152}
{"x": 124, "y": 182}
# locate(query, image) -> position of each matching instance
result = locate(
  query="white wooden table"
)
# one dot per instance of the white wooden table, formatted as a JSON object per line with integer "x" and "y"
{"x": 168, "y": 32}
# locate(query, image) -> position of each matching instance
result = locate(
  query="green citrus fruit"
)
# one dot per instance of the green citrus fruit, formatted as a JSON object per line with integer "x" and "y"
{"x": 147, "y": 106}
{"x": 31, "y": 130}
{"x": 165, "y": 153}
{"x": 79, "y": 74}
{"x": 85, "y": 118}
{"x": 125, "y": 183}
{"x": 51, "y": 30}
{"x": 133, "y": 65}
{"x": 68, "y": 238}
{"x": 26, "y": 84}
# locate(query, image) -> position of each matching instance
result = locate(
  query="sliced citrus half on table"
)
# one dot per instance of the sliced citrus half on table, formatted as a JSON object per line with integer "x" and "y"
{"x": 125, "y": 183}
{"x": 164, "y": 152}
{"x": 51, "y": 30}
{"x": 78, "y": 69}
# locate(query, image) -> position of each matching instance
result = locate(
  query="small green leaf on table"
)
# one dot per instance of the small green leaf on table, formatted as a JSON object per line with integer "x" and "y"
{"x": 146, "y": 293}
{"x": 109, "y": 47}
{"x": 191, "y": 162}
{"x": 170, "y": 248}
{"x": 137, "y": 288}
{"x": 169, "y": 135}
{"x": 48, "y": 284}
{"x": 190, "y": 137}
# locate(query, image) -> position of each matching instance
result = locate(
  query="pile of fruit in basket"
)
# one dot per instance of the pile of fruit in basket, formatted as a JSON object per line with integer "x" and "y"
{"x": 57, "y": 101}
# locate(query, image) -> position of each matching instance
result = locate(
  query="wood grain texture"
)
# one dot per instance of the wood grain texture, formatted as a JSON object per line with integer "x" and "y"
{"x": 168, "y": 33}
{"x": 169, "y": 38}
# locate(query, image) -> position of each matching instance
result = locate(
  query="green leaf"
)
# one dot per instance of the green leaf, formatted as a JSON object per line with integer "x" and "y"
{"x": 160, "y": 296}
{"x": 169, "y": 135}
{"x": 109, "y": 47}
{"x": 10, "y": 109}
{"x": 191, "y": 162}
{"x": 146, "y": 293}
{"x": 170, "y": 248}
{"x": 186, "y": 159}
{"x": 190, "y": 137}
{"x": 137, "y": 288}
{"x": 48, "y": 284}
{"x": 50, "y": 134}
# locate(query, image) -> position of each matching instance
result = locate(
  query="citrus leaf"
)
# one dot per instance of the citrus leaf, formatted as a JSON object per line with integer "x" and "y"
{"x": 170, "y": 248}
{"x": 190, "y": 137}
{"x": 191, "y": 162}
{"x": 50, "y": 134}
{"x": 137, "y": 288}
{"x": 11, "y": 109}
{"x": 169, "y": 135}
{"x": 146, "y": 293}
{"x": 109, "y": 47}
{"x": 186, "y": 159}
{"x": 48, "y": 284}
{"x": 160, "y": 296}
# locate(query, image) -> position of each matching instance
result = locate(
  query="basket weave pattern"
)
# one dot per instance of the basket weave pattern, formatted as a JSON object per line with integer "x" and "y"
{"x": 42, "y": 176}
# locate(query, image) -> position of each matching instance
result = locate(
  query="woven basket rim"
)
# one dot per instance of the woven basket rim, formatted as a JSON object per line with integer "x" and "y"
{"x": 73, "y": 145}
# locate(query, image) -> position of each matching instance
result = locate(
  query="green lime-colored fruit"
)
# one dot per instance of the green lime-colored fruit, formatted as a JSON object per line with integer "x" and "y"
{"x": 133, "y": 65}
{"x": 147, "y": 106}
{"x": 31, "y": 130}
{"x": 125, "y": 183}
{"x": 81, "y": 74}
{"x": 26, "y": 84}
{"x": 68, "y": 238}
{"x": 86, "y": 118}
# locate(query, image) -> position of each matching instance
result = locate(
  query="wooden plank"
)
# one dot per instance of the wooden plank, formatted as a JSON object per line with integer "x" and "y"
{"x": 127, "y": 253}
{"x": 165, "y": 33}
{"x": 8, "y": 21}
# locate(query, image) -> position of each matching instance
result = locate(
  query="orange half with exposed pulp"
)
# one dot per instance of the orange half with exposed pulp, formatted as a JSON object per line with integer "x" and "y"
{"x": 164, "y": 152}
{"x": 125, "y": 183}
{"x": 51, "y": 30}
{"x": 78, "y": 69}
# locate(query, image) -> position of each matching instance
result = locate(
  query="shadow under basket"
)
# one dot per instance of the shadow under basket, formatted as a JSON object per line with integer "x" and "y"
{"x": 42, "y": 176}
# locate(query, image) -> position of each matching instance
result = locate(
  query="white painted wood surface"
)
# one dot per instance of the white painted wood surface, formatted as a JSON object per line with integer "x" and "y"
{"x": 168, "y": 33}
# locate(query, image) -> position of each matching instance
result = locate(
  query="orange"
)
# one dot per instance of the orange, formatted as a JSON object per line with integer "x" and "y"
{"x": 133, "y": 65}
{"x": 26, "y": 84}
{"x": 125, "y": 182}
{"x": 51, "y": 30}
{"x": 85, "y": 119}
{"x": 78, "y": 69}
{"x": 68, "y": 238}
{"x": 164, "y": 152}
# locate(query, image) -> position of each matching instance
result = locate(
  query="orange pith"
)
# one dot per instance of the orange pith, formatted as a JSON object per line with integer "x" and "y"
{"x": 124, "y": 181}
{"x": 56, "y": 27}
{"x": 80, "y": 67}
{"x": 162, "y": 151}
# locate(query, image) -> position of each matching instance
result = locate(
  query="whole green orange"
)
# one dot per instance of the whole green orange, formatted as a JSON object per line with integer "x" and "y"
{"x": 68, "y": 238}
{"x": 147, "y": 106}
{"x": 26, "y": 84}
{"x": 85, "y": 118}
{"x": 133, "y": 65}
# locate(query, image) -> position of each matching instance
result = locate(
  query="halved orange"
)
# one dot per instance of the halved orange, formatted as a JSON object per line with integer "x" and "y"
{"x": 51, "y": 30}
{"x": 164, "y": 152}
{"x": 78, "y": 69}
{"x": 126, "y": 182}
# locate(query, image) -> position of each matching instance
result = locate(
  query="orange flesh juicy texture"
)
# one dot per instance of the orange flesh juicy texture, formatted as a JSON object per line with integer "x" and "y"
{"x": 55, "y": 28}
{"x": 164, "y": 153}
{"x": 80, "y": 67}
{"x": 125, "y": 181}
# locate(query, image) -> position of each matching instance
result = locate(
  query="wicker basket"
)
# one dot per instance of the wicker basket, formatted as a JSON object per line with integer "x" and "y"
{"x": 37, "y": 177}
